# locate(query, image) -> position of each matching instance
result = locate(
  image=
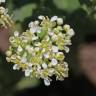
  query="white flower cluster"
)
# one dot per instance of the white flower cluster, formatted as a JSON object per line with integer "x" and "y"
{"x": 39, "y": 51}
{"x": 5, "y": 19}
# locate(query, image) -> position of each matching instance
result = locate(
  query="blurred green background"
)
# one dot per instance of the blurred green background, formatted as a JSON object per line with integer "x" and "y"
{"x": 80, "y": 14}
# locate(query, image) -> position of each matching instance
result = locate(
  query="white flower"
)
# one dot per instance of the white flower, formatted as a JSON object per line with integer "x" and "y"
{"x": 16, "y": 33}
{"x": 46, "y": 55}
{"x": 54, "y": 62}
{"x": 60, "y": 53}
{"x": 8, "y": 59}
{"x": 36, "y": 22}
{"x": 34, "y": 38}
{"x": 31, "y": 24}
{"x": 59, "y": 21}
{"x": 37, "y": 44}
{"x": 71, "y": 32}
{"x": 66, "y": 27}
{"x": 44, "y": 65}
{"x": 41, "y": 17}
{"x": 19, "y": 49}
{"x": 13, "y": 57}
{"x": 24, "y": 59}
{"x": 30, "y": 64}
{"x": 29, "y": 48}
{"x": 68, "y": 42}
{"x": 27, "y": 72}
{"x": 51, "y": 33}
{"x": 54, "y": 37}
{"x": 8, "y": 53}
{"x": 34, "y": 27}
{"x": 55, "y": 49}
{"x": 43, "y": 50}
{"x": 2, "y": 10}
{"x": 54, "y": 18}
{"x": 51, "y": 71}
{"x": 11, "y": 39}
{"x": 66, "y": 64}
{"x": 46, "y": 82}
{"x": 16, "y": 67}
{"x": 66, "y": 49}
{"x": 38, "y": 68}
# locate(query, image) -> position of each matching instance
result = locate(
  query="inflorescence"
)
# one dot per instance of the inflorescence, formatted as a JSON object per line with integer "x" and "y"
{"x": 40, "y": 51}
{"x": 5, "y": 19}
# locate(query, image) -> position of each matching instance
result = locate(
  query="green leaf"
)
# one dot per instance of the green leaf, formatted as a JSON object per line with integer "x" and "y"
{"x": 67, "y": 5}
{"x": 27, "y": 83}
{"x": 26, "y": 11}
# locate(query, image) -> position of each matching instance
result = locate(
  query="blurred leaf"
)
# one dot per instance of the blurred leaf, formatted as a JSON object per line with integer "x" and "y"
{"x": 10, "y": 6}
{"x": 23, "y": 12}
{"x": 27, "y": 83}
{"x": 67, "y": 5}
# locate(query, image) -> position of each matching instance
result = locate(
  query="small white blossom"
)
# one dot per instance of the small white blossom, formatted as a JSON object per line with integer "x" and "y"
{"x": 66, "y": 49}
{"x": 38, "y": 68}
{"x": 2, "y": 10}
{"x": 19, "y": 49}
{"x": 68, "y": 42}
{"x": 46, "y": 55}
{"x": 36, "y": 22}
{"x": 37, "y": 44}
{"x": 51, "y": 33}
{"x": 41, "y": 17}
{"x": 66, "y": 64}
{"x": 16, "y": 67}
{"x": 8, "y": 59}
{"x": 44, "y": 65}
{"x": 54, "y": 37}
{"x": 60, "y": 53}
{"x": 54, "y": 18}
{"x": 27, "y": 72}
{"x": 29, "y": 48}
{"x": 35, "y": 38}
{"x": 34, "y": 27}
{"x": 16, "y": 33}
{"x": 46, "y": 82}
{"x": 71, "y": 32}
{"x": 55, "y": 49}
{"x": 59, "y": 21}
{"x": 8, "y": 53}
{"x": 66, "y": 27}
{"x": 13, "y": 57}
{"x": 30, "y": 64}
{"x": 31, "y": 24}
{"x": 43, "y": 50}
{"x": 24, "y": 60}
{"x": 54, "y": 62}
